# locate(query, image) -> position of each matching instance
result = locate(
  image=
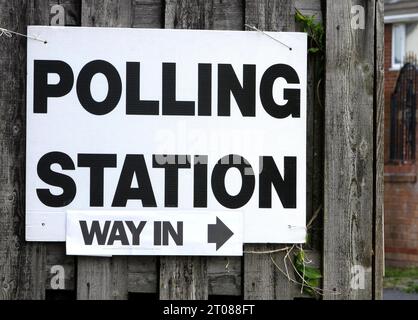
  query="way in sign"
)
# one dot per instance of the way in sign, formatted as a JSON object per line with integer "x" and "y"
{"x": 153, "y": 233}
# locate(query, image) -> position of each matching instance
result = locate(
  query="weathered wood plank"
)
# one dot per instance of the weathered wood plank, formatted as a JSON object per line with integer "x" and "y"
{"x": 142, "y": 274}
{"x": 22, "y": 264}
{"x": 148, "y": 14}
{"x": 188, "y": 14}
{"x": 270, "y": 15}
{"x": 224, "y": 275}
{"x": 379, "y": 153}
{"x": 104, "y": 278}
{"x": 37, "y": 13}
{"x": 56, "y": 258}
{"x": 228, "y": 15}
{"x": 262, "y": 279}
{"x": 143, "y": 271}
{"x": 102, "y": 13}
{"x": 194, "y": 15}
{"x": 201, "y": 14}
{"x": 348, "y": 178}
{"x": 183, "y": 278}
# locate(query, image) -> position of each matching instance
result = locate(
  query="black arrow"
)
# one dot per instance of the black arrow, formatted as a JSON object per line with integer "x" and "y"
{"x": 218, "y": 233}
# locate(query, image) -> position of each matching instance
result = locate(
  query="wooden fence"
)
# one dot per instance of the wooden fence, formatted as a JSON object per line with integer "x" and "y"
{"x": 345, "y": 160}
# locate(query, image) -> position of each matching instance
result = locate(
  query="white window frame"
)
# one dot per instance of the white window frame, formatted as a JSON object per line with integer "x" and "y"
{"x": 397, "y": 66}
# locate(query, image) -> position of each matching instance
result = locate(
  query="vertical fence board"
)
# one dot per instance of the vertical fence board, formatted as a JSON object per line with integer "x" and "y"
{"x": 148, "y": 14}
{"x": 102, "y": 13}
{"x": 37, "y": 12}
{"x": 21, "y": 263}
{"x": 104, "y": 278}
{"x": 379, "y": 152}
{"x": 201, "y": 14}
{"x": 270, "y": 15}
{"x": 262, "y": 278}
{"x": 178, "y": 272}
{"x": 348, "y": 180}
{"x": 228, "y": 15}
{"x": 55, "y": 252}
{"x": 143, "y": 271}
{"x": 185, "y": 277}
{"x": 188, "y": 14}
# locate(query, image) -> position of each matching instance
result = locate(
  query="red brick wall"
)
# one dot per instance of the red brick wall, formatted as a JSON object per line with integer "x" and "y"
{"x": 401, "y": 188}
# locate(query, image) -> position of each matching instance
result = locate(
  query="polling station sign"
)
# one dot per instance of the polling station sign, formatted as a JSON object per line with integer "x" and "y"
{"x": 178, "y": 123}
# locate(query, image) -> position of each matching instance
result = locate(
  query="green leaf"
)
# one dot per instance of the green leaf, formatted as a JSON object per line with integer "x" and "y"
{"x": 299, "y": 16}
{"x": 312, "y": 273}
{"x": 314, "y": 283}
{"x": 305, "y": 271}
{"x": 313, "y": 50}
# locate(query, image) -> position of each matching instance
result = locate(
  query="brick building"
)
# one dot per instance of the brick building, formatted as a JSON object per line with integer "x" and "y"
{"x": 401, "y": 184}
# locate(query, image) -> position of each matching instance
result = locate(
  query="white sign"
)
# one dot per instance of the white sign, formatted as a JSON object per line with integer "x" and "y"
{"x": 166, "y": 121}
{"x": 154, "y": 233}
